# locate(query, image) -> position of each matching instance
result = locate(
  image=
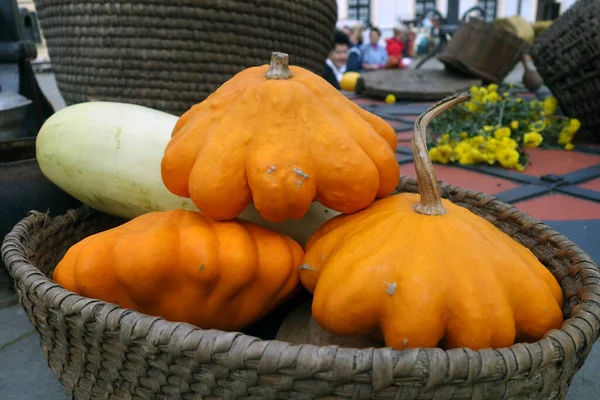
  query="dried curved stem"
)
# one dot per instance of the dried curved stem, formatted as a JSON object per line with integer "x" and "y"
{"x": 431, "y": 200}
{"x": 278, "y": 68}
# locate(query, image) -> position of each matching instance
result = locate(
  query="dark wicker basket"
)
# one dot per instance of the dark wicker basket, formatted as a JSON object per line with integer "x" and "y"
{"x": 99, "y": 350}
{"x": 567, "y": 56}
{"x": 169, "y": 55}
{"x": 480, "y": 49}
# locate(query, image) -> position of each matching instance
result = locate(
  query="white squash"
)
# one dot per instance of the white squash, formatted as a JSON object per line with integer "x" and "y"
{"x": 107, "y": 155}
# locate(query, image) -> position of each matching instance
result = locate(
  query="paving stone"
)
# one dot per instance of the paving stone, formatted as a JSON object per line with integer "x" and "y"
{"x": 25, "y": 375}
{"x": 14, "y": 323}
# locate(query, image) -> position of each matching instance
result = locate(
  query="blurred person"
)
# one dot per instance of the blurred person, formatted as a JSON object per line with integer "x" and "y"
{"x": 395, "y": 49}
{"x": 335, "y": 65}
{"x": 349, "y": 32}
{"x": 355, "y": 56}
{"x": 374, "y": 55}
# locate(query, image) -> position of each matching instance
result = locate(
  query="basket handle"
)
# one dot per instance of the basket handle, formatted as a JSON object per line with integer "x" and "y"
{"x": 480, "y": 10}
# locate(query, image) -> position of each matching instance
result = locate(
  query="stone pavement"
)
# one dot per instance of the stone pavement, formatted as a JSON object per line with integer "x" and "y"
{"x": 25, "y": 375}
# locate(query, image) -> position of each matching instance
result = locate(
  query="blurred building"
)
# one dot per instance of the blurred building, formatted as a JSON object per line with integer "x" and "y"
{"x": 386, "y": 14}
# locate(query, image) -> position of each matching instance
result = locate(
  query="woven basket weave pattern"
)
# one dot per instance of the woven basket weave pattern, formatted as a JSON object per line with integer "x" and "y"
{"x": 100, "y": 350}
{"x": 170, "y": 55}
{"x": 567, "y": 56}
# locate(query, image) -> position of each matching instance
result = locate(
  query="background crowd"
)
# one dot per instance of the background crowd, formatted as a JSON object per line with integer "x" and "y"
{"x": 350, "y": 54}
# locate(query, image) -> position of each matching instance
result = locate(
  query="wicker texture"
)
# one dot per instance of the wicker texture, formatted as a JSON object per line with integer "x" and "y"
{"x": 99, "y": 350}
{"x": 567, "y": 56}
{"x": 169, "y": 55}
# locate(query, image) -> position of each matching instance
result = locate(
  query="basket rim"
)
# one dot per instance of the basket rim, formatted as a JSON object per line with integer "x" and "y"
{"x": 556, "y": 346}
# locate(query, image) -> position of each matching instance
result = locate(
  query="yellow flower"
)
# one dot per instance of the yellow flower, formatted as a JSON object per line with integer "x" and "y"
{"x": 574, "y": 126}
{"x": 533, "y": 104}
{"x": 390, "y": 99}
{"x": 550, "y": 104}
{"x": 488, "y": 128}
{"x": 471, "y": 106}
{"x": 477, "y": 140}
{"x": 476, "y": 155}
{"x": 507, "y": 157}
{"x": 492, "y": 97}
{"x": 508, "y": 143}
{"x": 510, "y": 86}
{"x": 520, "y": 167}
{"x": 532, "y": 139}
{"x": 569, "y": 146}
{"x": 492, "y": 87}
{"x": 502, "y": 133}
{"x": 445, "y": 138}
{"x": 491, "y": 145}
{"x": 565, "y": 137}
{"x": 463, "y": 135}
{"x": 466, "y": 159}
{"x": 519, "y": 100}
{"x": 477, "y": 94}
{"x": 538, "y": 126}
{"x": 444, "y": 153}
{"x": 434, "y": 154}
{"x": 461, "y": 148}
{"x": 514, "y": 125}
{"x": 490, "y": 158}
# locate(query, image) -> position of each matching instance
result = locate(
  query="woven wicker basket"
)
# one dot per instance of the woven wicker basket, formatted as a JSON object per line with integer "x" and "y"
{"x": 567, "y": 56}
{"x": 99, "y": 350}
{"x": 169, "y": 55}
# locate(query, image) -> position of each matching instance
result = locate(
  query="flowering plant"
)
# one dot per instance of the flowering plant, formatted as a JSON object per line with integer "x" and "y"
{"x": 496, "y": 126}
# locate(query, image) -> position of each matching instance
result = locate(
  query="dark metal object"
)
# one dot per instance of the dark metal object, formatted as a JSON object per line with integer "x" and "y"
{"x": 13, "y": 108}
{"x": 18, "y": 33}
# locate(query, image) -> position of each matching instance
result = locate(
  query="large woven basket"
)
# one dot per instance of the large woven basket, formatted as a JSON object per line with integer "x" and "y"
{"x": 567, "y": 56}
{"x": 99, "y": 350}
{"x": 169, "y": 55}
{"x": 480, "y": 49}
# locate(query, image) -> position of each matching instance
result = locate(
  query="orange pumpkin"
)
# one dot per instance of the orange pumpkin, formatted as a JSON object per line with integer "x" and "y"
{"x": 185, "y": 267}
{"x": 420, "y": 271}
{"x": 281, "y": 137}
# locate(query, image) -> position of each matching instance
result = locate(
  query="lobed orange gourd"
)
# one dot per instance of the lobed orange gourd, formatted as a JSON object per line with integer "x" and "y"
{"x": 281, "y": 137}
{"x": 420, "y": 271}
{"x": 183, "y": 266}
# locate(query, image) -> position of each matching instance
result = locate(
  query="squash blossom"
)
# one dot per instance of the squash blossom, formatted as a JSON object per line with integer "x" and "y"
{"x": 532, "y": 139}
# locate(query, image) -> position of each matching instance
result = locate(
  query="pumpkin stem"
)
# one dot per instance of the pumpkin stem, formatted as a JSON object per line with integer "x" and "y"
{"x": 278, "y": 68}
{"x": 431, "y": 199}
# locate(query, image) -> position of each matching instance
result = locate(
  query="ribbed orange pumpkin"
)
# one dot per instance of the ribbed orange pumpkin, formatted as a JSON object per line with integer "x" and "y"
{"x": 420, "y": 271}
{"x": 280, "y": 137}
{"x": 185, "y": 267}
